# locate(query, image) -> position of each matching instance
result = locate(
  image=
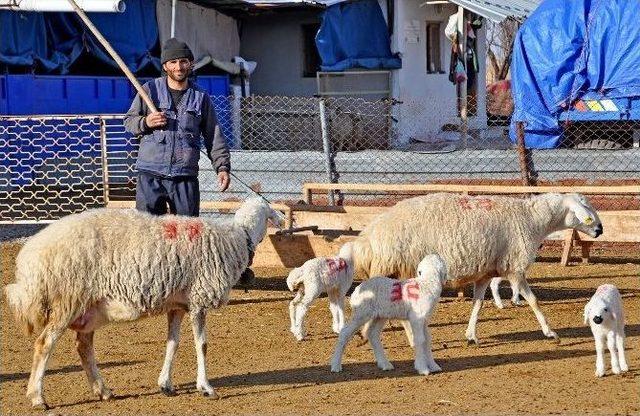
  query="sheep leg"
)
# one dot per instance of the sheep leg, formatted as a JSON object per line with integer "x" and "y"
{"x": 43, "y": 347}
{"x": 495, "y": 284}
{"x": 431, "y": 363}
{"x": 373, "y": 334}
{"x": 620, "y": 347}
{"x": 174, "y": 319}
{"x": 340, "y": 308}
{"x": 520, "y": 285}
{"x": 419, "y": 340}
{"x": 200, "y": 338}
{"x": 611, "y": 344}
{"x": 600, "y": 341}
{"x": 479, "y": 289}
{"x": 345, "y": 335}
{"x": 409, "y": 333}
{"x": 335, "y": 312}
{"x": 84, "y": 346}
{"x": 292, "y": 309}
{"x": 301, "y": 310}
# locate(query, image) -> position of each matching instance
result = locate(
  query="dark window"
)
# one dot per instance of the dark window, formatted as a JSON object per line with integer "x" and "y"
{"x": 434, "y": 63}
{"x": 311, "y": 59}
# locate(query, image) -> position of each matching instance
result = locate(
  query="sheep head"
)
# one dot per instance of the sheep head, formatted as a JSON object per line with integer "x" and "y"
{"x": 581, "y": 215}
{"x": 432, "y": 266}
{"x": 253, "y": 215}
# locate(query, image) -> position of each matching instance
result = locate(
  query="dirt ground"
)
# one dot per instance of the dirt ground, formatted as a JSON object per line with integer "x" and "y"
{"x": 258, "y": 368}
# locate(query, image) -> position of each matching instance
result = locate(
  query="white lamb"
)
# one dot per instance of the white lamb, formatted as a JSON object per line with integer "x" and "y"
{"x": 606, "y": 318}
{"x": 381, "y": 298}
{"x": 478, "y": 237}
{"x": 106, "y": 265}
{"x": 330, "y": 275}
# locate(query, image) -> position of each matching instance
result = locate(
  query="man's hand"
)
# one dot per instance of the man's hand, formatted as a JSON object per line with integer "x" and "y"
{"x": 155, "y": 120}
{"x": 223, "y": 180}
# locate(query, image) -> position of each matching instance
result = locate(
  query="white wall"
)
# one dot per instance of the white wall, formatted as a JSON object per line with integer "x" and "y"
{"x": 275, "y": 42}
{"x": 429, "y": 99}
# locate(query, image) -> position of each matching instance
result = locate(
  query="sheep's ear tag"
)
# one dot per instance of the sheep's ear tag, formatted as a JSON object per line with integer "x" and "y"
{"x": 588, "y": 221}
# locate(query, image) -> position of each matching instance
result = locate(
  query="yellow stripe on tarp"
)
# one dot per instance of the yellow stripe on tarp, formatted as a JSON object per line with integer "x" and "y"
{"x": 609, "y": 105}
{"x": 594, "y": 106}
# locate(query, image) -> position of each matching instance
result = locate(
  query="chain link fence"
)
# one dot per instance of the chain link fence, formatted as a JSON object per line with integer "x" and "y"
{"x": 53, "y": 166}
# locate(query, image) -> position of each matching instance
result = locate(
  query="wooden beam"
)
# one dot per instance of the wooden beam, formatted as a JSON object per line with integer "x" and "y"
{"x": 489, "y": 189}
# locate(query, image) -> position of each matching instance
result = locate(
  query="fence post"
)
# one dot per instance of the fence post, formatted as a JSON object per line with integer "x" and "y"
{"x": 105, "y": 161}
{"x": 326, "y": 145}
{"x": 526, "y": 162}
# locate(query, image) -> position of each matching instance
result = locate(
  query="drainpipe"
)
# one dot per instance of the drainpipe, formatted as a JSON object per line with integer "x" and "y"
{"x": 92, "y": 6}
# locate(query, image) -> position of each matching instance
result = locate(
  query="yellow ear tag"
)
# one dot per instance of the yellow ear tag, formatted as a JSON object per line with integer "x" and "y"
{"x": 588, "y": 221}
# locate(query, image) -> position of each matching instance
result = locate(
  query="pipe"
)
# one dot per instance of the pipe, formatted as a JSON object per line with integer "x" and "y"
{"x": 117, "y": 6}
{"x": 173, "y": 18}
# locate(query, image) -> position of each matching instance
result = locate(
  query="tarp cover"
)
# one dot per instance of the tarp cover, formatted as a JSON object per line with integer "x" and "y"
{"x": 56, "y": 40}
{"x": 566, "y": 50}
{"x": 355, "y": 35}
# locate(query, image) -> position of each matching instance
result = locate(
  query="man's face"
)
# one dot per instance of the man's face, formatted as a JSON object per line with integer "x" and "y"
{"x": 177, "y": 69}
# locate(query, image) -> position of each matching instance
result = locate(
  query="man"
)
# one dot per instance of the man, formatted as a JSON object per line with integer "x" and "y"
{"x": 170, "y": 138}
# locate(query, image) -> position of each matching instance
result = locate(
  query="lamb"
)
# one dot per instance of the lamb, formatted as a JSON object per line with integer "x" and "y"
{"x": 106, "y": 265}
{"x": 478, "y": 238}
{"x": 381, "y": 298}
{"x": 331, "y": 275}
{"x": 606, "y": 318}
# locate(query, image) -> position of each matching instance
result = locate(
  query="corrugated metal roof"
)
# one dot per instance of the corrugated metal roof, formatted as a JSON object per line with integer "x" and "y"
{"x": 500, "y": 10}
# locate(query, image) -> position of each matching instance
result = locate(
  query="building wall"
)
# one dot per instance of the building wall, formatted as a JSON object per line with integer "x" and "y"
{"x": 275, "y": 42}
{"x": 429, "y": 100}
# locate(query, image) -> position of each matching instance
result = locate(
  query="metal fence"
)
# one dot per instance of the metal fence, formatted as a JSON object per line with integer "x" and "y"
{"x": 52, "y": 166}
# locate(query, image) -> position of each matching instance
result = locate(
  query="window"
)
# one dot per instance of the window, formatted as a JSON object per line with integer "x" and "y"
{"x": 311, "y": 58}
{"x": 434, "y": 63}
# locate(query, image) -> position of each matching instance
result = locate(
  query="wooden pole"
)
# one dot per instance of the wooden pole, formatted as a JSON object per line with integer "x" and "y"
{"x": 114, "y": 55}
{"x": 522, "y": 154}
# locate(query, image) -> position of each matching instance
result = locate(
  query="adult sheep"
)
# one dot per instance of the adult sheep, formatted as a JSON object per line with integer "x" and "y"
{"x": 478, "y": 238}
{"x": 106, "y": 265}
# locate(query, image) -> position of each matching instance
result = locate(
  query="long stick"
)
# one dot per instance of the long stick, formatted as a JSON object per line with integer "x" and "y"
{"x": 114, "y": 55}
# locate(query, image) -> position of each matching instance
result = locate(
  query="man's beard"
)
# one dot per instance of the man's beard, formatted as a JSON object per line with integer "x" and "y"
{"x": 176, "y": 77}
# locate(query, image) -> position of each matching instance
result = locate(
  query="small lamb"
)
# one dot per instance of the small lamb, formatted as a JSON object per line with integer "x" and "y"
{"x": 330, "y": 275}
{"x": 381, "y": 298}
{"x": 606, "y": 318}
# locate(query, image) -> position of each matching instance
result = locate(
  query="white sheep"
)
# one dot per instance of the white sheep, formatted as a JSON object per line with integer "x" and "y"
{"x": 606, "y": 318}
{"x": 413, "y": 300}
{"x": 478, "y": 238}
{"x": 330, "y": 275}
{"x": 106, "y": 265}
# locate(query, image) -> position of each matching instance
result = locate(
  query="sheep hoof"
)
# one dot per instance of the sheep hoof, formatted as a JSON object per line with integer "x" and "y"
{"x": 210, "y": 395}
{"x": 336, "y": 368}
{"x": 386, "y": 367}
{"x": 39, "y": 404}
{"x": 599, "y": 373}
{"x": 168, "y": 391}
{"x": 106, "y": 395}
{"x": 615, "y": 370}
{"x": 472, "y": 342}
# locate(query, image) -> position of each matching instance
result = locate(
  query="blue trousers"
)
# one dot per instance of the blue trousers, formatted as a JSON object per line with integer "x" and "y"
{"x": 157, "y": 195}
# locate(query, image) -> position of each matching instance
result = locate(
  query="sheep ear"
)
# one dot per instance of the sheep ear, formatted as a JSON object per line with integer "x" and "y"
{"x": 614, "y": 315}
{"x": 580, "y": 211}
{"x": 586, "y": 313}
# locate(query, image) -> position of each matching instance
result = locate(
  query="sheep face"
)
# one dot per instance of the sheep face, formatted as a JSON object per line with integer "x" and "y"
{"x": 433, "y": 266}
{"x": 581, "y": 215}
{"x": 600, "y": 313}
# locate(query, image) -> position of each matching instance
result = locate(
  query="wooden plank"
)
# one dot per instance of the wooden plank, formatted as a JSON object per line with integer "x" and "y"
{"x": 294, "y": 250}
{"x": 492, "y": 189}
{"x": 228, "y": 206}
{"x": 567, "y": 245}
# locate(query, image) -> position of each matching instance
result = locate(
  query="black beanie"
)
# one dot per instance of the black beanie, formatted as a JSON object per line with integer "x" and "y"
{"x": 175, "y": 49}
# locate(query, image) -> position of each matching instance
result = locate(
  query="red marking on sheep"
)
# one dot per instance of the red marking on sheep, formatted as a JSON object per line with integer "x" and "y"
{"x": 396, "y": 292}
{"x": 485, "y": 203}
{"x": 194, "y": 229}
{"x": 413, "y": 290}
{"x": 170, "y": 230}
{"x": 464, "y": 203}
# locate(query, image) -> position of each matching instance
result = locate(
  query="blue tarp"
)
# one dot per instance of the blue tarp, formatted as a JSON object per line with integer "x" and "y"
{"x": 56, "y": 40}
{"x": 567, "y": 50}
{"x": 355, "y": 35}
